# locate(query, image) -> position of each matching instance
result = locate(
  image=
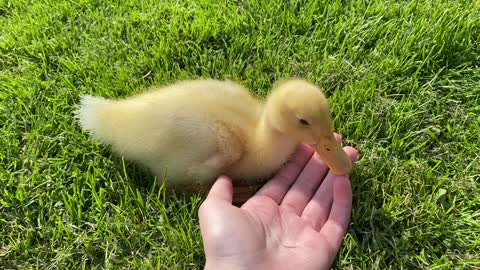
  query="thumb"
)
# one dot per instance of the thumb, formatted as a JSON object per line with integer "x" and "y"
{"x": 213, "y": 210}
{"x": 222, "y": 190}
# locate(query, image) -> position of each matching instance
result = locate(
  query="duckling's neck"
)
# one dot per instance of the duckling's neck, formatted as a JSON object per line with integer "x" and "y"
{"x": 274, "y": 147}
{"x": 268, "y": 150}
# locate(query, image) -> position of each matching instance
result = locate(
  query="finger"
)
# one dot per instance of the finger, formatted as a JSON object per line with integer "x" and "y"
{"x": 338, "y": 138}
{"x": 337, "y": 224}
{"x": 222, "y": 190}
{"x": 318, "y": 208}
{"x": 217, "y": 214}
{"x": 306, "y": 185}
{"x": 278, "y": 186}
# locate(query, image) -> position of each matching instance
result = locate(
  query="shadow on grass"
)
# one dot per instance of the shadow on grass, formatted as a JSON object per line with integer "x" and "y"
{"x": 140, "y": 178}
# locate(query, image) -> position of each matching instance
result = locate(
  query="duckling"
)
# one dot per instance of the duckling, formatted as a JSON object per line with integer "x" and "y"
{"x": 195, "y": 130}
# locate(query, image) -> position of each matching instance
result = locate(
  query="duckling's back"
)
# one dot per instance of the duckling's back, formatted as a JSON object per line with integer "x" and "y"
{"x": 204, "y": 101}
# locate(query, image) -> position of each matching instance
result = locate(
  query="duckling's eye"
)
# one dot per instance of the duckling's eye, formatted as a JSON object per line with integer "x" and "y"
{"x": 304, "y": 122}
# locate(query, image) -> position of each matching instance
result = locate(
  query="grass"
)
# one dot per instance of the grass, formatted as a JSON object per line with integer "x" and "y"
{"x": 403, "y": 79}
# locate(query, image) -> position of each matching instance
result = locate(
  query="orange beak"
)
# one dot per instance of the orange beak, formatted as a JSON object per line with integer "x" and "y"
{"x": 331, "y": 152}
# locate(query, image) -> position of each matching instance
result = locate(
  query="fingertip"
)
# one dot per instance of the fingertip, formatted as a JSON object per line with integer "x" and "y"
{"x": 352, "y": 153}
{"x": 222, "y": 189}
{"x": 224, "y": 178}
{"x": 338, "y": 137}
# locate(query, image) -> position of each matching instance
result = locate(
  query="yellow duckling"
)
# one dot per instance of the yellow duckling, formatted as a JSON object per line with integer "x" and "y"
{"x": 193, "y": 131}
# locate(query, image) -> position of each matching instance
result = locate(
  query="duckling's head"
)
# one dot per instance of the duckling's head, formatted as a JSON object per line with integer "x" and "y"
{"x": 300, "y": 110}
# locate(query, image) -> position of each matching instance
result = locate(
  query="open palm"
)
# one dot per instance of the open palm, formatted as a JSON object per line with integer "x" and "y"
{"x": 297, "y": 220}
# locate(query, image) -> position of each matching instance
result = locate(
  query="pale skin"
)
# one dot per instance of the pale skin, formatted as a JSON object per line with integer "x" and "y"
{"x": 297, "y": 220}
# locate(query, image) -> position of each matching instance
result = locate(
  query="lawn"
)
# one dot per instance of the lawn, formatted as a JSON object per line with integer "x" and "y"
{"x": 403, "y": 79}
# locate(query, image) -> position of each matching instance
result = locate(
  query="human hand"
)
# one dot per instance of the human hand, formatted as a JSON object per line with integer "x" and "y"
{"x": 297, "y": 220}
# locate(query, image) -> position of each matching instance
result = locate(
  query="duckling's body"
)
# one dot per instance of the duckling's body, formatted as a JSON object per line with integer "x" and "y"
{"x": 192, "y": 132}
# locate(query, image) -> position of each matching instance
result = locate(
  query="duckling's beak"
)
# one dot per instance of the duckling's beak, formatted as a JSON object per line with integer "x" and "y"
{"x": 331, "y": 152}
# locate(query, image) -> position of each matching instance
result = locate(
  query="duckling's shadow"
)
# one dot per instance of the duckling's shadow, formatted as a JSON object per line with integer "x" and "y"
{"x": 140, "y": 177}
{"x": 135, "y": 174}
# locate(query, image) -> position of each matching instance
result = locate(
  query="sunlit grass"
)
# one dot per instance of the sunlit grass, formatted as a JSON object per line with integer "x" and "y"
{"x": 402, "y": 77}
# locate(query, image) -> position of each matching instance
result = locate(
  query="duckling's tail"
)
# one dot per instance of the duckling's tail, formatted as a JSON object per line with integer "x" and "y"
{"x": 90, "y": 113}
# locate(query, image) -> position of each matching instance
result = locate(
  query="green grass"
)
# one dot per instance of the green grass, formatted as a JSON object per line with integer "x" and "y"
{"x": 403, "y": 78}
